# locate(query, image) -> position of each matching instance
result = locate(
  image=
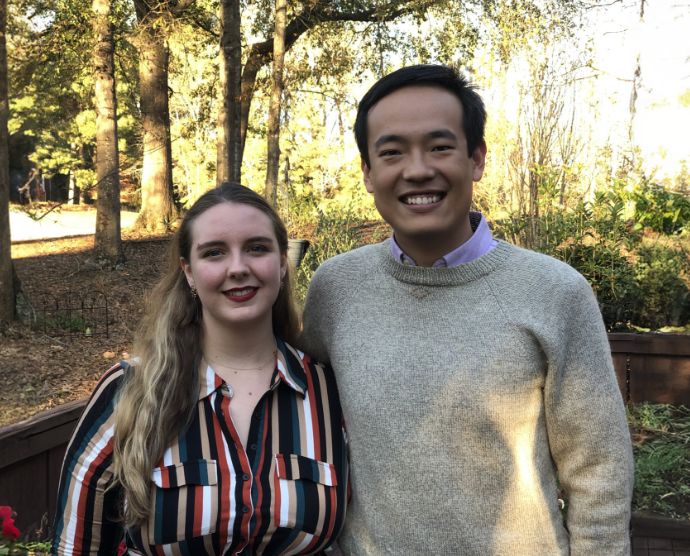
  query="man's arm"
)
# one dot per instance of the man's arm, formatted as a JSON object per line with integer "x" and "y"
{"x": 316, "y": 332}
{"x": 588, "y": 433}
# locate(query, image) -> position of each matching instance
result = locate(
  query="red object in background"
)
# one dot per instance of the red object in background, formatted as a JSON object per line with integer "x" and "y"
{"x": 9, "y": 529}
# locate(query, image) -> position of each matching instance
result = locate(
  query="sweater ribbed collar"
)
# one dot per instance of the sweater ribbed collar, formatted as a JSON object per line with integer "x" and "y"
{"x": 428, "y": 276}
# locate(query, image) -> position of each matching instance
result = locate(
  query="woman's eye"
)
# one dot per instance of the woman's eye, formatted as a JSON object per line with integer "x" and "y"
{"x": 258, "y": 248}
{"x": 212, "y": 253}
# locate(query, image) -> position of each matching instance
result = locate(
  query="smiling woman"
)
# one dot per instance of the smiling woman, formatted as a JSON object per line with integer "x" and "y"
{"x": 220, "y": 437}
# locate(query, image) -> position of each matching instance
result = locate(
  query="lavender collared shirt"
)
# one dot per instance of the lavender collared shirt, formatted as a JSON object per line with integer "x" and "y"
{"x": 480, "y": 243}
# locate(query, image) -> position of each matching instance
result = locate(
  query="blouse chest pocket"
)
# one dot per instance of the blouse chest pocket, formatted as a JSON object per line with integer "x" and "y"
{"x": 184, "y": 502}
{"x": 306, "y": 494}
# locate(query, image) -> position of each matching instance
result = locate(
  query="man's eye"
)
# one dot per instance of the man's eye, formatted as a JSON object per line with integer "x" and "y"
{"x": 389, "y": 153}
{"x": 441, "y": 148}
{"x": 258, "y": 248}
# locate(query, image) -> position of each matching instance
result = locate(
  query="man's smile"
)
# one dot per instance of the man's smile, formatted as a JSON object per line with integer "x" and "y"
{"x": 422, "y": 198}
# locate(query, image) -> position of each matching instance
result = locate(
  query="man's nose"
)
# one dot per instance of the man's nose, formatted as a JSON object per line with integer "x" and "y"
{"x": 418, "y": 167}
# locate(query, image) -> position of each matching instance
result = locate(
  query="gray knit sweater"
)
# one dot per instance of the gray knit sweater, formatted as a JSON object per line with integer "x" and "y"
{"x": 468, "y": 393}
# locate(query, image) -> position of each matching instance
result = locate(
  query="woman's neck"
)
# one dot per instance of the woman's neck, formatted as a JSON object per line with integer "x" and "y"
{"x": 246, "y": 350}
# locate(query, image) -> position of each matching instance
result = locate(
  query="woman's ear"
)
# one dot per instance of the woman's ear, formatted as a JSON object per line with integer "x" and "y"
{"x": 187, "y": 269}
{"x": 283, "y": 266}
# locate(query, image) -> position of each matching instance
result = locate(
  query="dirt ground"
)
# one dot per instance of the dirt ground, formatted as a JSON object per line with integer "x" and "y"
{"x": 45, "y": 367}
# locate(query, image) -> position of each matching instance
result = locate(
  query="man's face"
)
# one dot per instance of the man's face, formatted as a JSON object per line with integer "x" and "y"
{"x": 420, "y": 174}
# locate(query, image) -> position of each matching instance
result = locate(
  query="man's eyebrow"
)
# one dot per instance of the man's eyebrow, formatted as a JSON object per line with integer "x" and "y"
{"x": 435, "y": 134}
{"x": 387, "y": 139}
{"x": 443, "y": 134}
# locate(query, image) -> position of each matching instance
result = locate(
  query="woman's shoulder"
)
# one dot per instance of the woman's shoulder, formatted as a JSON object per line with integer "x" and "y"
{"x": 304, "y": 363}
{"x": 104, "y": 396}
{"x": 112, "y": 379}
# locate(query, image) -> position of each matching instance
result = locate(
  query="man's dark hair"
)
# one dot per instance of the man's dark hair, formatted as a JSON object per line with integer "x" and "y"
{"x": 443, "y": 77}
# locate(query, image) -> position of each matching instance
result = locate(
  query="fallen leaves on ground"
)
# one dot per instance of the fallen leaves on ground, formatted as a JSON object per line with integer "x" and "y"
{"x": 40, "y": 369}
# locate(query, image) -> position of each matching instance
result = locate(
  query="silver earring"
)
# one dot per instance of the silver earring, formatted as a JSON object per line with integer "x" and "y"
{"x": 193, "y": 291}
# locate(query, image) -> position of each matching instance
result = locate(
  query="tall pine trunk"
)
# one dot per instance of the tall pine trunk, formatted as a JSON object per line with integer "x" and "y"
{"x": 273, "y": 146}
{"x": 229, "y": 150}
{"x": 158, "y": 210}
{"x": 107, "y": 243}
{"x": 7, "y": 303}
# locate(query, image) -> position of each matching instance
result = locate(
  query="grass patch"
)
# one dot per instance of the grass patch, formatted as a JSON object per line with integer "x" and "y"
{"x": 661, "y": 445}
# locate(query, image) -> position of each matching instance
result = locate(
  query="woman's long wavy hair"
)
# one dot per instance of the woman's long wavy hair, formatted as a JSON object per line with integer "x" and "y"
{"x": 161, "y": 391}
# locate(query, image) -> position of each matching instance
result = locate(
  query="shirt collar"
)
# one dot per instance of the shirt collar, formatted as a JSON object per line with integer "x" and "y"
{"x": 289, "y": 370}
{"x": 480, "y": 242}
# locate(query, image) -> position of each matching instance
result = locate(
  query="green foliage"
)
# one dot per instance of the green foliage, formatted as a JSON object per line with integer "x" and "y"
{"x": 660, "y": 209}
{"x": 662, "y": 272}
{"x": 334, "y": 233}
{"x": 60, "y": 322}
{"x": 640, "y": 282}
{"x": 661, "y": 445}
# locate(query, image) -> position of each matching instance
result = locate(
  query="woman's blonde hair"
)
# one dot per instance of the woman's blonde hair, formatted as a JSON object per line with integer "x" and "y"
{"x": 160, "y": 393}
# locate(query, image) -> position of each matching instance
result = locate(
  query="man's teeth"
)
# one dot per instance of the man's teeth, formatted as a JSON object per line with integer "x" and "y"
{"x": 422, "y": 199}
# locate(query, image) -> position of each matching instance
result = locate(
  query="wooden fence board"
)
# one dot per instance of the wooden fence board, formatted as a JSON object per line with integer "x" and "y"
{"x": 652, "y": 367}
{"x": 649, "y": 367}
{"x": 25, "y": 487}
{"x": 31, "y": 455}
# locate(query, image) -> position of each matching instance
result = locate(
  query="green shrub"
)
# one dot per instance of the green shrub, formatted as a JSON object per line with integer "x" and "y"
{"x": 661, "y": 210}
{"x": 661, "y": 446}
{"x": 335, "y": 233}
{"x": 660, "y": 273}
{"x": 612, "y": 278}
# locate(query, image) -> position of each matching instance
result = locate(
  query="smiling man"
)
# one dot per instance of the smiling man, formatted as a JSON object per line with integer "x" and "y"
{"x": 475, "y": 376}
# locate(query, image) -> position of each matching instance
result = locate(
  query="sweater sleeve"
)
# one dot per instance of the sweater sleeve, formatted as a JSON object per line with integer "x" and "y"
{"x": 86, "y": 518}
{"x": 315, "y": 337}
{"x": 587, "y": 429}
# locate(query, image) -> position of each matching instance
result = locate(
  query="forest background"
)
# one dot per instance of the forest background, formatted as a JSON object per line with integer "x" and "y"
{"x": 134, "y": 102}
{"x": 145, "y": 105}
{"x": 150, "y": 104}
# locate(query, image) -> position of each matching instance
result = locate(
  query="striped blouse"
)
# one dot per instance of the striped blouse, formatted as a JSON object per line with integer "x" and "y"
{"x": 285, "y": 494}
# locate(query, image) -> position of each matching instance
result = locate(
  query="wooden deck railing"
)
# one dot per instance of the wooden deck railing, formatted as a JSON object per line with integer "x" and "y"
{"x": 649, "y": 367}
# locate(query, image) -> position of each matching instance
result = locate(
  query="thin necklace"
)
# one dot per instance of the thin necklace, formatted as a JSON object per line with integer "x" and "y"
{"x": 254, "y": 368}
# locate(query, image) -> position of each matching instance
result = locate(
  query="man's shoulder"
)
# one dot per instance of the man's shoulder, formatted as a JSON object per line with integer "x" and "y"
{"x": 535, "y": 265}
{"x": 354, "y": 261}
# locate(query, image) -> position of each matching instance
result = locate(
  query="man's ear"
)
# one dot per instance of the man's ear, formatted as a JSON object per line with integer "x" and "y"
{"x": 366, "y": 177}
{"x": 479, "y": 160}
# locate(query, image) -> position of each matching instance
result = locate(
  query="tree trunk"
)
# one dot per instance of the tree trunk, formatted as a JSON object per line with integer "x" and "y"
{"x": 7, "y": 297}
{"x": 273, "y": 147}
{"x": 230, "y": 144}
{"x": 158, "y": 210}
{"x": 107, "y": 243}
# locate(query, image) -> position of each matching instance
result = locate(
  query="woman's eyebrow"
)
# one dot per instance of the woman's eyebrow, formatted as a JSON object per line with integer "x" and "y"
{"x": 207, "y": 244}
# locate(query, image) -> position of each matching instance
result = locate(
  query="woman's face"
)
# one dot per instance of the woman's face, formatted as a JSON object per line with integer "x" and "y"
{"x": 235, "y": 265}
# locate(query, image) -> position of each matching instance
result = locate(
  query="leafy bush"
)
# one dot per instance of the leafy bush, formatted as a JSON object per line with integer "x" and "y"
{"x": 660, "y": 273}
{"x": 661, "y": 210}
{"x": 639, "y": 282}
{"x": 335, "y": 233}
{"x": 661, "y": 445}
{"x": 612, "y": 278}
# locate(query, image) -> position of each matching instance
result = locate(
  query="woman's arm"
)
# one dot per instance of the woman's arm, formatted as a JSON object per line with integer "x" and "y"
{"x": 87, "y": 514}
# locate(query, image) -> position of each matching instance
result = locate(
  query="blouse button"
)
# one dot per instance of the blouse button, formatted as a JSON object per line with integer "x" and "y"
{"x": 252, "y": 446}
{"x": 245, "y": 477}
{"x": 245, "y": 509}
